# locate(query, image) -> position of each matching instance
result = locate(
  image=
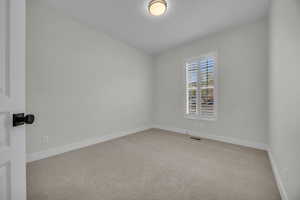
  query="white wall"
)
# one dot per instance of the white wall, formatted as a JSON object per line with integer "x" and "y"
{"x": 81, "y": 83}
{"x": 285, "y": 93}
{"x": 242, "y": 84}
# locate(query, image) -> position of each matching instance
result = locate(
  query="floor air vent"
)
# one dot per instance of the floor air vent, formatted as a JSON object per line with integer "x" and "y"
{"x": 195, "y": 138}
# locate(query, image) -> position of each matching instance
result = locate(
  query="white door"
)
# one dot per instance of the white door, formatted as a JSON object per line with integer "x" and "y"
{"x": 12, "y": 99}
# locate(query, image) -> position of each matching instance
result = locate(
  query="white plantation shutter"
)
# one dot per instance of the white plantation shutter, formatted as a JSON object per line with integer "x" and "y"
{"x": 207, "y": 88}
{"x": 192, "y": 88}
{"x": 201, "y": 88}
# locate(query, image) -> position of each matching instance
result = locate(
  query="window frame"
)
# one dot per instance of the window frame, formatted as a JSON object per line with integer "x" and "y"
{"x": 198, "y": 116}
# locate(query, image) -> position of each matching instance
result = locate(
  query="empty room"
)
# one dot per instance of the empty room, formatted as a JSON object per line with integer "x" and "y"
{"x": 149, "y": 99}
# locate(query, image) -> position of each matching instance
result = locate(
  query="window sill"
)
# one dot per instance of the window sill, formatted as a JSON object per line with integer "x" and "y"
{"x": 193, "y": 117}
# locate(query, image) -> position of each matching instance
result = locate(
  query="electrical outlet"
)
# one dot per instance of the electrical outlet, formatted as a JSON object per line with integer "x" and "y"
{"x": 45, "y": 140}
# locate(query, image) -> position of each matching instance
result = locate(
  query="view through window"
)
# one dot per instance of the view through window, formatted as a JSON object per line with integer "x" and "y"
{"x": 200, "y": 87}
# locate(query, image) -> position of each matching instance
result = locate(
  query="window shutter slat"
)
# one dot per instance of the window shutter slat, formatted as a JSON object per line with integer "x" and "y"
{"x": 201, "y": 90}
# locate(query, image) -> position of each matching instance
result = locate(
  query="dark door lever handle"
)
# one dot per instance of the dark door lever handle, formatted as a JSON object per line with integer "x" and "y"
{"x": 20, "y": 119}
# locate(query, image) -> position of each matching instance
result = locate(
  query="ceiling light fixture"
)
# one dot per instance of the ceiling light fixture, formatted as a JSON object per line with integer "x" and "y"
{"x": 157, "y": 7}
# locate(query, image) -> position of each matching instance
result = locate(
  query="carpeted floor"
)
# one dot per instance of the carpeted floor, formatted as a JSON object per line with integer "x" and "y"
{"x": 154, "y": 165}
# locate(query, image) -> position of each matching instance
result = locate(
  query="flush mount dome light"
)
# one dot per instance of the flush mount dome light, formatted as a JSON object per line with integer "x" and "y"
{"x": 157, "y": 7}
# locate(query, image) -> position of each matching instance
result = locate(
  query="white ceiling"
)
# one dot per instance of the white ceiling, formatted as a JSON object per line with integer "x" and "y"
{"x": 185, "y": 20}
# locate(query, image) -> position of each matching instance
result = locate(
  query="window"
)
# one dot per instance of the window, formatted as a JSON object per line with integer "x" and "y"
{"x": 201, "y": 88}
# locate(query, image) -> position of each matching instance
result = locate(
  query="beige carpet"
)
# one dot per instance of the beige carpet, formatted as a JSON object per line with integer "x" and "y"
{"x": 154, "y": 165}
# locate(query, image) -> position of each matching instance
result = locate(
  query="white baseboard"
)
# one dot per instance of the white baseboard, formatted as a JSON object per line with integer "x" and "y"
{"x": 73, "y": 146}
{"x": 278, "y": 178}
{"x": 260, "y": 146}
{"x": 70, "y": 147}
{"x": 255, "y": 145}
